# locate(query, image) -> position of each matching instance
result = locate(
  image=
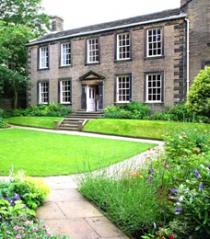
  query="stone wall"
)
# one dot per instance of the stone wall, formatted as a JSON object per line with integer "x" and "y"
{"x": 172, "y": 64}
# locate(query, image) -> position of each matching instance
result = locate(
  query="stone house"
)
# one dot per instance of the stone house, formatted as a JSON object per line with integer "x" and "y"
{"x": 151, "y": 59}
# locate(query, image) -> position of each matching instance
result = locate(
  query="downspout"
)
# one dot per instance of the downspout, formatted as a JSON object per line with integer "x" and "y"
{"x": 188, "y": 55}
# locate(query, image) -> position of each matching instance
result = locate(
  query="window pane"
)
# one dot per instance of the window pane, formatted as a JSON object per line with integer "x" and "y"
{"x": 123, "y": 46}
{"x": 92, "y": 50}
{"x": 65, "y": 93}
{"x": 154, "y": 42}
{"x": 154, "y": 87}
{"x": 123, "y": 88}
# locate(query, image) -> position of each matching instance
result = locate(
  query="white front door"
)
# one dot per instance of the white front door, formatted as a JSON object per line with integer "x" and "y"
{"x": 91, "y": 94}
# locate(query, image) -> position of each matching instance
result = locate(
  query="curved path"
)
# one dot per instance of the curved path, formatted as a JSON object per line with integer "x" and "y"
{"x": 67, "y": 212}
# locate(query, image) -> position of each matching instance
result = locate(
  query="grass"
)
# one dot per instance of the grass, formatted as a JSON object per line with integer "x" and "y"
{"x": 47, "y": 154}
{"x": 42, "y": 122}
{"x": 140, "y": 128}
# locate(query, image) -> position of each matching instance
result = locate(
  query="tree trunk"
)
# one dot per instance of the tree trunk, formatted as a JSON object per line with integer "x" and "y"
{"x": 15, "y": 99}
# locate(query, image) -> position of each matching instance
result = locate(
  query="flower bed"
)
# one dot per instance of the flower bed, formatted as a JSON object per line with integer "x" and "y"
{"x": 19, "y": 198}
{"x": 168, "y": 199}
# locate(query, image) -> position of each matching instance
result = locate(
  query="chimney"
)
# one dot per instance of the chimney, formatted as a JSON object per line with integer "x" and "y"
{"x": 56, "y": 24}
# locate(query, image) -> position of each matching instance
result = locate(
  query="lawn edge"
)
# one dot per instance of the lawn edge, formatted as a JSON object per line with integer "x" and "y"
{"x": 120, "y": 135}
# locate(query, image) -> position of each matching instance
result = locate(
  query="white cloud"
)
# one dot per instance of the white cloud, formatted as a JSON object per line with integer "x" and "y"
{"x": 86, "y": 12}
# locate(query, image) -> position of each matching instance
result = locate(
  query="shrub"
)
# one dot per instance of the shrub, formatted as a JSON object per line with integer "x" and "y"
{"x": 186, "y": 143}
{"x": 133, "y": 110}
{"x": 199, "y": 95}
{"x": 192, "y": 205}
{"x": 2, "y": 123}
{"x": 46, "y": 110}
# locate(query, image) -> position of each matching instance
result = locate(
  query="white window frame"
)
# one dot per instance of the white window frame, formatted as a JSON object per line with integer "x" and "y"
{"x": 41, "y": 92}
{"x": 93, "y": 51}
{"x": 157, "y": 41}
{"x": 65, "y": 91}
{"x": 161, "y": 74}
{"x": 125, "y": 46}
{"x": 118, "y": 88}
{"x": 43, "y": 57}
{"x": 65, "y": 54}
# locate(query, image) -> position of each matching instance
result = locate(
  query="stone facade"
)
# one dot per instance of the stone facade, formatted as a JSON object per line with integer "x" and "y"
{"x": 172, "y": 63}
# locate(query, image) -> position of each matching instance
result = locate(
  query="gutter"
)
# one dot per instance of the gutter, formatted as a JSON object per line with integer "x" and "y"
{"x": 182, "y": 15}
{"x": 188, "y": 55}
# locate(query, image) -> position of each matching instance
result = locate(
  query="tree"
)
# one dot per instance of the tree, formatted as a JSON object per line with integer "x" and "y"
{"x": 199, "y": 95}
{"x": 25, "y": 12}
{"x": 20, "y": 21}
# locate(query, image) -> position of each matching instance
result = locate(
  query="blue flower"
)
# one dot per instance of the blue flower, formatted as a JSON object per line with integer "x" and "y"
{"x": 174, "y": 191}
{"x": 197, "y": 174}
{"x": 178, "y": 210}
{"x": 201, "y": 186}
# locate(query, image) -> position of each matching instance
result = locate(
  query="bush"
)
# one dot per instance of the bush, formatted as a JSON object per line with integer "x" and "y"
{"x": 181, "y": 113}
{"x": 199, "y": 95}
{"x": 192, "y": 206}
{"x": 133, "y": 110}
{"x": 2, "y": 123}
{"x": 187, "y": 143}
{"x": 45, "y": 110}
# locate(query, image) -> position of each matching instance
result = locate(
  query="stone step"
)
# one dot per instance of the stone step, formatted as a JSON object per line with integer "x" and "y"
{"x": 69, "y": 128}
{"x": 72, "y": 122}
{"x": 71, "y": 125}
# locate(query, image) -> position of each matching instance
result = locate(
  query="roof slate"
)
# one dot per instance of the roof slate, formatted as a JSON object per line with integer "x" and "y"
{"x": 107, "y": 25}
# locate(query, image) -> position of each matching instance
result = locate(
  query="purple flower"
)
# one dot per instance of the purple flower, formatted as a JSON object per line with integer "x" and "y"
{"x": 197, "y": 174}
{"x": 178, "y": 210}
{"x": 174, "y": 191}
{"x": 16, "y": 197}
{"x": 201, "y": 186}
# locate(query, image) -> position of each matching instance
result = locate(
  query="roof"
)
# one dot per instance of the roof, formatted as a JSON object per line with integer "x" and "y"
{"x": 108, "y": 26}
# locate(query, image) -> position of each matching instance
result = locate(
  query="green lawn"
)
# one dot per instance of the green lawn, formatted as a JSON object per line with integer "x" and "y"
{"x": 47, "y": 154}
{"x": 139, "y": 128}
{"x": 42, "y": 122}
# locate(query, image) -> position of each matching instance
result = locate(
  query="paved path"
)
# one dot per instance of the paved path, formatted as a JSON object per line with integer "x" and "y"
{"x": 67, "y": 212}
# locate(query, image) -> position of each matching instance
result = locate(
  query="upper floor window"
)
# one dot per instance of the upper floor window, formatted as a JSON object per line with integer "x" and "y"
{"x": 43, "y": 88}
{"x": 123, "y": 87}
{"x": 154, "y": 42}
{"x": 154, "y": 87}
{"x": 44, "y": 57}
{"x": 123, "y": 46}
{"x": 65, "y": 91}
{"x": 65, "y": 54}
{"x": 92, "y": 51}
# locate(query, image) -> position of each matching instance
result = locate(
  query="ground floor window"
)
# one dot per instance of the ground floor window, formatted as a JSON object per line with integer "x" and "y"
{"x": 123, "y": 88}
{"x": 65, "y": 91}
{"x": 43, "y": 92}
{"x": 154, "y": 87}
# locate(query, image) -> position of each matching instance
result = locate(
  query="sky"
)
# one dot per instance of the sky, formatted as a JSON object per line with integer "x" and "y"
{"x": 78, "y": 13}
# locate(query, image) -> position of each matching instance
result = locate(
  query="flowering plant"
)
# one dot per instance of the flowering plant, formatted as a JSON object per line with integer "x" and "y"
{"x": 192, "y": 205}
{"x": 22, "y": 228}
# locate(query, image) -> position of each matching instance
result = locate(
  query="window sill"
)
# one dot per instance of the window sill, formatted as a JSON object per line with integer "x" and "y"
{"x": 122, "y": 102}
{"x": 154, "y": 102}
{"x": 121, "y": 61}
{"x": 92, "y": 64}
{"x": 43, "y": 69}
{"x": 154, "y": 57}
{"x": 68, "y": 103}
{"x": 66, "y": 66}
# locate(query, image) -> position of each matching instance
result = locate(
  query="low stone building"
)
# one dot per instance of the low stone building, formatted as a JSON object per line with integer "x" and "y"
{"x": 150, "y": 59}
